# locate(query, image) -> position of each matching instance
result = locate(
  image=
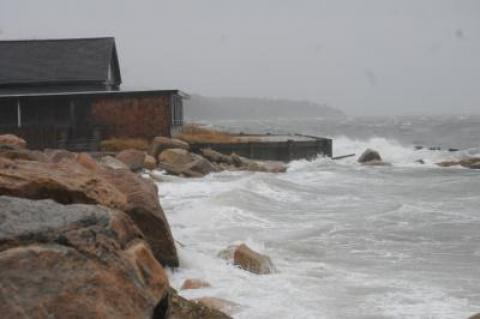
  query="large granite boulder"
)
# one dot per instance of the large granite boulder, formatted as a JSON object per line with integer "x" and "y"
{"x": 143, "y": 206}
{"x": 12, "y": 141}
{"x": 181, "y": 162}
{"x": 181, "y": 308}
{"x": 66, "y": 182}
{"x": 247, "y": 259}
{"x": 160, "y": 143}
{"x": 76, "y": 261}
{"x": 134, "y": 159}
{"x": 69, "y": 182}
{"x": 369, "y": 155}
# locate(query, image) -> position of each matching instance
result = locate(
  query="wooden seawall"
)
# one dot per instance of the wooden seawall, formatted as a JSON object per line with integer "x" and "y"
{"x": 273, "y": 147}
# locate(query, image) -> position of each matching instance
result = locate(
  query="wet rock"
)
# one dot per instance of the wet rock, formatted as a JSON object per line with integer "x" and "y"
{"x": 217, "y": 157}
{"x": 134, "y": 159}
{"x": 181, "y": 308}
{"x": 69, "y": 182}
{"x": 112, "y": 162}
{"x": 160, "y": 143}
{"x": 472, "y": 163}
{"x": 243, "y": 163}
{"x": 66, "y": 182}
{"x": 476, "y": 316}
{"x": 420, "y": 161}
{"x": 181, "y": 162}
{"x": 194, "y": 284}
{"x": 143, "y": 207}
{"x": 24, "y": 154}
{"x": 75, "y": 261}
{"x": 87, "y": 161}
{"x": 369, "y": 155}
{"x": 150, "y": 162}
{"x": 58, "y": 155}
{"x": 12, "y": 141}
{"x": 219, "y": 304}
{"x": 247, "y": 259}
{"x": 376, "y": 163}
{"x": 273, "y": 167}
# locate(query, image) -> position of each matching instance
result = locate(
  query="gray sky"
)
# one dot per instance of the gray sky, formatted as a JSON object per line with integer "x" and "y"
{"x": 364, "y": 57}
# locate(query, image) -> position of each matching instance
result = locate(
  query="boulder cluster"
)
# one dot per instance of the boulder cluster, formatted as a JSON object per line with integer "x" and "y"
{"x": 84, "y": 237}
{"x": 174, "y": 156}
{"x": 472, "y": 163}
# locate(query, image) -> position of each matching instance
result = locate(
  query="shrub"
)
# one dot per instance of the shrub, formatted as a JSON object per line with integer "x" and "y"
{"x": 120, "y": 144}
{"x": 193, "y": 133}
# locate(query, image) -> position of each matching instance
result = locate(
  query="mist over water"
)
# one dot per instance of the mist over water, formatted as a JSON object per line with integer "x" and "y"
{"x": 349, "y": 241}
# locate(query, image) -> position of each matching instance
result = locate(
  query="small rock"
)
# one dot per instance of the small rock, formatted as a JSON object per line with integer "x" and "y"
{"x": 13, "y": 141}
{"x": 248, "y": 260}
{"x": 160, "y": 143}
{"x": 369, "y": 155}
{"x": 181, "y": 308}
{"x": 472, "y": 163}
{"x": 26, "y": 155}
{"x": 182, "y": 162}
{"x": 258, "y": 166}
{"x": 150, "y": 162}
{"x": 87, "y": 161}
{"x": 112, "y": 162}
{"x": 56, "y": 156}
{"x": 215, "y": 156}
{"x": 194, "y": 284}
{"x": 134, "y": 159}
{"x": 219, "y": 304}
{"x": 420, "y": 161}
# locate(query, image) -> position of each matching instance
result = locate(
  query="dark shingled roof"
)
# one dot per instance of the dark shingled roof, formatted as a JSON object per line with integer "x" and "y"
{"x": 59, "y": 62}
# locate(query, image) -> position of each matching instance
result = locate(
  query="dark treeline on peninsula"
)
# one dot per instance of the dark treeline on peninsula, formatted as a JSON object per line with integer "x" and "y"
{"x": 235, "y": 108}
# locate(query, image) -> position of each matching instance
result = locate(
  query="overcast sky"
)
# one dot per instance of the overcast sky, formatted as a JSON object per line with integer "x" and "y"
{"x": 364, "y": 57}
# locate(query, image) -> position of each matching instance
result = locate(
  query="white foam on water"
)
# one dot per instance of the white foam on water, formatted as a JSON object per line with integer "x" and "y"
{"x": 348, "y": 241}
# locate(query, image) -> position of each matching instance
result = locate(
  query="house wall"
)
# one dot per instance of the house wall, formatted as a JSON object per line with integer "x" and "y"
{"x": 132, "y": 117}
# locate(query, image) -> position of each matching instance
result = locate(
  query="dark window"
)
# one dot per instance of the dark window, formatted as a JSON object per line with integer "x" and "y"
{"x": 8, "y": 113}
{"x": 177, "y": 111}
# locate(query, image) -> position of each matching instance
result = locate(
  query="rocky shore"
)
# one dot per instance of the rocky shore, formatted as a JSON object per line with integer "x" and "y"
{"x": 84, "y": 237}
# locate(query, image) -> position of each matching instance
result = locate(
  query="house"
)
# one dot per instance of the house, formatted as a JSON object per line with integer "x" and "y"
{"x": 66, "y": 93}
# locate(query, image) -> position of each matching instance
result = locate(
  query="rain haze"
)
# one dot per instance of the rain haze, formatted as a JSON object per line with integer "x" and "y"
{"x": 363, "y": 57}
{"x": 324, "y": 162}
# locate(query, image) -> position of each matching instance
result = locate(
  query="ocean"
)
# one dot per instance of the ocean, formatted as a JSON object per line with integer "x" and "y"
{"x": 348, "y": 241}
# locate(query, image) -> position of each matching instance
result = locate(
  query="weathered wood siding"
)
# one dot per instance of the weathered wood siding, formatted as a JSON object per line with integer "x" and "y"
{"x": 142, "y": 117}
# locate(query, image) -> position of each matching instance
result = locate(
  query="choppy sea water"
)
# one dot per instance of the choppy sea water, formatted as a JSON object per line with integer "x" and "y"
{"x": 348, "y": 241}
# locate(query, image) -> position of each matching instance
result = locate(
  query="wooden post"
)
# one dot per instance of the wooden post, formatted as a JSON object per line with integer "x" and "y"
{"x": 62, "y": 143}
{"x": 96, "y": 140}
{"x": 290, "y": 151}
{"x": 19, "y": 114}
